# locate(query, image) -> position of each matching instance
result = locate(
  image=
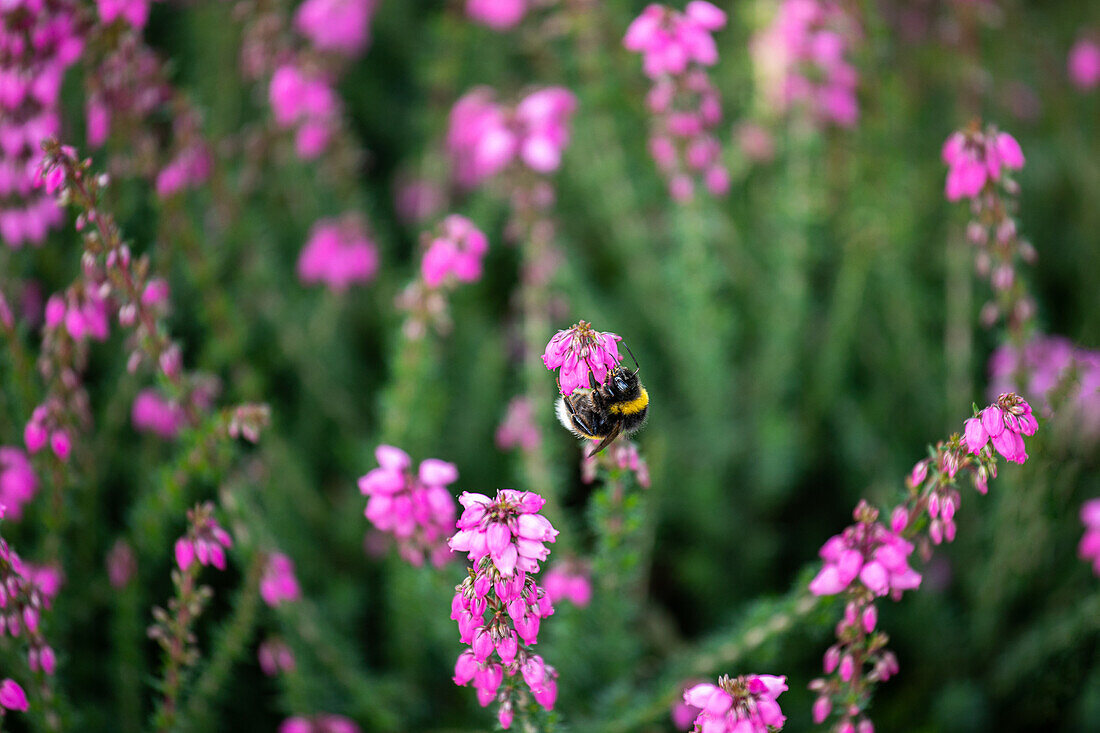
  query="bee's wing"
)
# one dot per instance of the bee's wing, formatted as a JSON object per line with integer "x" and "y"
{"x": 608, "y": 439}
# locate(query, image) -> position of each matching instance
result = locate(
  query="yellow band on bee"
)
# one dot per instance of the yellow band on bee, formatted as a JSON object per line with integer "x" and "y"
{"x": 629, "y": 408}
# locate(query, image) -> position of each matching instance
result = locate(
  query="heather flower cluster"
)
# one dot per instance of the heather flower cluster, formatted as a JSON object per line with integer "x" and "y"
{"x": 569, "y": 581}
{"x": 622, "y": 455}
{"x": 578, "y": 350}
{"x": 1003, "y": 425}
{"x": 500, "y": 15}
{"x": 39, "y": 40}
{"x": 744, "y": 704}
{"x": 279, "y": 584}
{"x": 134, "y": 12}
{"x": 518, "y": 429}
{"x": 1089, "y": 549}
{"x": 18, "y": 481}
{"x": 979, "y": 163}
{"x": 153, "y": 413}
{"x": 339, "y": 254}
{"x": 1083, "y": 64}
{"x": 485, "y": 137}
{"x": 323, "y": 723}
{"x": 12, "y": 697}
{"x": 802, "y": 60}
{"x": 417, "y": 509}
{"x": 1062, "y": 377}
{"x": 676, "y": 49}
{"x": 274, "y": 657}
{"x": 337, "y": 26}
{"x": 499, "y": 606}
{"x": 304, "y": 101}
{"x": 25, "y": 593}
{"x": 975, "y": 158}
{"x": 869, "y": 560}
{"x": 205, "y": 540}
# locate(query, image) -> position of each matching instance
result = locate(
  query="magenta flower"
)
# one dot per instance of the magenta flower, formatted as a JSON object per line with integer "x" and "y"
{"x": 1053, "y": 367}
{"x": 485, "y": 137}
{"x": 306, "y": 103}
{"x": 188, "y": 169}
{"x": 508, "y": 529}
{"x": 205, "y": 540}
{"x": 867, "y": 550}
{"x": 669, "y": 41}
{"x": 1003, "y": 423}
{"x": 18, "y": 481}
{"x": 274, "y": 657}
{"x": 341, "y": 26}
{"x": 568, "y": 581}
{"x": 745, "y": 704}
{"x": 152, "y": 413}
{"x": 121, "y": 564}
{"x": 1083, "y": 64}
{"x": 134, "y": 12}
{"x": 1089, "y": 549}
{"x": 504, "y": 539}
{"x": 279, "y": 583}
{"x": 500, "y": 15}
{"x": 578, "y": 351}
{"x": 323, "y": 723}
{"x": 456, "y": 251}
{"x": 12, "y": 696}
{"x": 974, "y": 158}
{"x": 339, "y": 254}
{"x": 416, "y": 509}
{"x": 40, "y": 42}
{"x": 518, "y": 427}
{"x": 801, "y": 59}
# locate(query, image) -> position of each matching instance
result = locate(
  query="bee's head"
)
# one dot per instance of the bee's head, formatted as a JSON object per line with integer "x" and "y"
{"x": 622, "y": 383}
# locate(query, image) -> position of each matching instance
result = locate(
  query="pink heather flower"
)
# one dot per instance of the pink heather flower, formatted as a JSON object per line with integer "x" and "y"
{"x": 1053, "y": 366}
{"x": 518, "y": 427}
{"x": 18, "y": 481}
{"x": 801, "y": 60}
{"x": 508, "y": 529}
{"x": 135, "y": 12}
{"x": 500, "y": 15}
{"x": 12, "y": 696}
{"x": 189, "y": 169}
{"x": 683, "y": 715}
{"x": 275, "y": 656}
{"x": 974, "y": 158}
{"x": 669, "y": 40}
{"x": 1089, "y": 549}
{"x": 504, "y": 539}
{"x": 152, "y": 413}
{"x": 1004, "y": 424}
{"x": 578, "y": 351}
{"x": 47, "y": 579}
{"x": 484, "y": 137}
{"x": 745, "y": 704}
{"x": 342, "y": 26}
{"x": 870, "y": 552}
{"x": 61, "y": 444}
{"x": 339, "y": 253}
{"x": 278, "y": 583}
{"x": 205, "y": 540}
{"x": 416, "y": 509}
{"x": 38, "y": 42}
{"x": 324, "y": 723}
{"x": 569, "y": 582}
{"x": 456, "y": 251}
{"x": 1083, "y": 64}
{"x": 121, "y": 564}
{"x": 306, "y": 103}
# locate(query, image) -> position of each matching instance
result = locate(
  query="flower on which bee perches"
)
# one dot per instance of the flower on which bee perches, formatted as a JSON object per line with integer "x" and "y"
{"x": 578, "y": 351}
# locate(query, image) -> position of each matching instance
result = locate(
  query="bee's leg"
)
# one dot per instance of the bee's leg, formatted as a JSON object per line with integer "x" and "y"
{"x": 577, "y": 419}
{"x": 609, "y": 439}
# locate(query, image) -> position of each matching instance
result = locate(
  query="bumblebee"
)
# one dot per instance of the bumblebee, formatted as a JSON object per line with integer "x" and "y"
{"x": 617, "y": 407}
